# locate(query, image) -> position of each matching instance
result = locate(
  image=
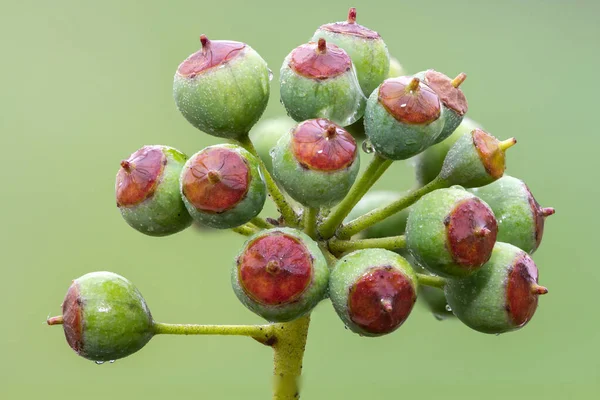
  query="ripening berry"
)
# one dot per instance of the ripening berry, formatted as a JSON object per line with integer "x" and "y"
{"x": 451, "y": 232}
{"x": 500, "y": 297}
{"x": 476, "y": 159}
{"x": 222, "y": 186}
{"x": 429, "y": 163}
{"x": 266, "y": 134}
{"x": 105, "y": 317}
{"x": 452, "y": 97}
{"x": 373, "y": 291}
{"x": 365, "y": 47}
{"x": 520, "y": 217}
{"x": 223, "y": 88}
{"x": 280, "y": 274}
{"x": 147, "y": 191}
{"x": 318, "y": 81}
{"x": 403, "y": 117}
{"x": 392, "y": 226}
{"x": 316, "y": 163}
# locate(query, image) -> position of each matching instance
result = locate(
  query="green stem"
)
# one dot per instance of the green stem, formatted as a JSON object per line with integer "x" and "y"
{"x": 287, "y": 359}
{"x": 245, "y": 230}
{"x": 389, "y": 243}
{"x": 373, "y": 172}
{"x": 379, "y": 214}
{"x": 286, "y": 210}
{"x": 430, "y": 280}
{"x": 261, "y": 223}
{"x": 262, "y": 333}
{"x": 310, "y": 221}
{"x": 331, "y": 259}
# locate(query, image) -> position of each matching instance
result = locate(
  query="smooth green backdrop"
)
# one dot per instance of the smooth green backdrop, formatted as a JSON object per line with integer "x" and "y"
{"x": 85, "y": 83}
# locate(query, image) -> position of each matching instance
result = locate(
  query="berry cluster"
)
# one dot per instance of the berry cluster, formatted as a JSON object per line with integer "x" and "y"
{"x": 461, "y": 240}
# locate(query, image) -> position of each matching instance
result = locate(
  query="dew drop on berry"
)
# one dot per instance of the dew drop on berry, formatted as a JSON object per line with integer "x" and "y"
{"x": 448, "y": 308}
{"x": 367, "y": 147}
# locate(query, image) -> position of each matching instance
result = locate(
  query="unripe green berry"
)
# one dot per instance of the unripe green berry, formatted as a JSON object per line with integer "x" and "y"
{"x": 222, "y": 186}
{"x": 429, "y": 163}
{"x": 105, "y": 317}
{"x": 222, "y": 89}
{"x": 391, "y": 226}
{"x": 396, "y": 69}
{"x": 520, "y": 217}
{"x": 403, "y": 117}
{"x": 500, "y": 297}
{"x": 476, "y": 159}
{"x": 452, "y": 97}
{"x": 147, "y": 191}
{"x": 280, "y": 274}
{"x": 365, "y": 47}
{"x": 451, "y": 232}
{"x": 373, "y": 291}
{"x": 318, "y": 80}
{"x": 266, "y": 134}
{"x": 316, "y": 163}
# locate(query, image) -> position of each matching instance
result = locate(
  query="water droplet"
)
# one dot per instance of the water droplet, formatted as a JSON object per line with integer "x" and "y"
{"x": 438, "y": 317}
{"x": 367, "y": 147}
{"x": 448, "y": 308}
{"x": 99, "y": 362}
{"x": 112, "y": 361}
{"x": 497, "y": 334}
{"x": 270, "y": 75}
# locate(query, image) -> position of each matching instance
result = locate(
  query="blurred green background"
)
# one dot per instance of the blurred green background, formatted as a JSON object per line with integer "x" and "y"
{"x": 85, "y": 83}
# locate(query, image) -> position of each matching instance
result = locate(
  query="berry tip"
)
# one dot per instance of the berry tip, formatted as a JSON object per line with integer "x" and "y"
{"x": 322, "y": 46}
{"x": 204, "y": 41}
{"x": 506, "y": 144}
{"x": 547, "y": 211}
{"x": 352, "y": 15}
{"x": 58, "y": 320}
{"x": 126, "y": 165}
{"x": 537, "y": 289}
{"x": 413, "y": 84}
{"x": 456, "y": 82}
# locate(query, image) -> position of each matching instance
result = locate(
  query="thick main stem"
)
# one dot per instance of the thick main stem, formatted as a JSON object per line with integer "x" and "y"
{"x": 310, "y": 221}
{"x": 286, "y": 210}
{"x": 379, "y": 214}
{"x": 287, "y": 359}
{"x": 373, "y": 172}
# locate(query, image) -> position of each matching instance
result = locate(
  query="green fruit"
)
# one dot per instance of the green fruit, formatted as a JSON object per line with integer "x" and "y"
{"x": 316, "y": 163}
{"x": 452, "y": 97}
{"x": 451, "y": 232}
{"x": 280, "y": 274}
{"x": 373, "y": 291}
{"x": 105, "y": 317}
{"x": 396, "y": 69}
{"x": 318, "y": 81}
{"x": 476, "y": 159}
{"x": 365, "y": 47}
{"x": 222, "y": 186}
{"x": 403, "y": 118}
{"x": 266, "y": 133}
{"x": 222, "y": 89}
{"x": 520, "y": 217}
{"x": 391, "y": 226}
{"x": 429, "y": 163}
{"x": 147, "y": 191}
{"x": 502, "y": 296}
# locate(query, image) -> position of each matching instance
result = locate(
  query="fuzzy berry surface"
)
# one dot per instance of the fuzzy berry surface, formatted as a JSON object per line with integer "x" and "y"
{"x": 501, "y": 296}
{"x": 223, "y": 89}
{"x": 401, "y": 123}
{"x": 314, "y": 167}
{"x": 373, "y": 291}
{"x": 222, "y": 186}
{"x": 147, "y": 191}
{"x": 280, "y": 274}
{"x": 105, "y": 317}
{"x": 451, "y": 232}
